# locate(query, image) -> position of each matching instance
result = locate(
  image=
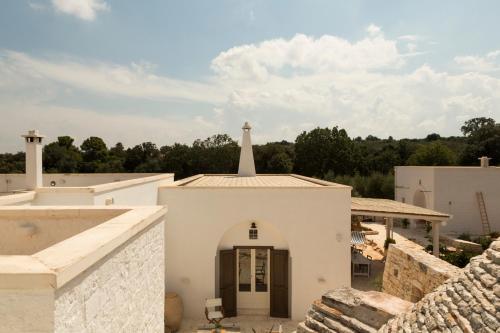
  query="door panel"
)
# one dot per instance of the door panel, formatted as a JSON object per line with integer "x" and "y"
{"x": 279, "y": 283}
{"x": 227, "y": 283}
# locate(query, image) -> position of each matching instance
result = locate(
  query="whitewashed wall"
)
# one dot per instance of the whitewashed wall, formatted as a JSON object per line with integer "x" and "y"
{"x": 455, "y": 193}
{"x": 24, "y": 311}
{"x": 453, "y": 190}
{"x": 124, "y": 292}
{"x": 136, "y": 195}
{"x": 314, "y": 222}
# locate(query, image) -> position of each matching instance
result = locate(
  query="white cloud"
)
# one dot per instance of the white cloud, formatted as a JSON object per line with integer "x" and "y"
{"x": 136, "y": 81}
{"x": 373, "y": 30}
{"x": 306, "y": 54}
{"x": 410, "y": 38}
{"x": 36, "y": 6}
{"x": 83, "y": 9}
{"x": 487, "y": 63}
{"x": 282, "y": 86}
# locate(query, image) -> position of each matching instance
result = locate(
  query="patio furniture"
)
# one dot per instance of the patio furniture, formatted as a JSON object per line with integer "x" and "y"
{"x": 358, "y": 240}
{"x": 361, "y": 265}
{"x": 214, "y": 310}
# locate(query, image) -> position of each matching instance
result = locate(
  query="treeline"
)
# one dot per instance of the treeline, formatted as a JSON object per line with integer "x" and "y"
{"x": 327, "y": 153}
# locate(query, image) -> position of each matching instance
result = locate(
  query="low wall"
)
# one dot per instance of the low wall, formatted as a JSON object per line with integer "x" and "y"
{"x": 121, "y": 293}
{"x": 412, "y": 273}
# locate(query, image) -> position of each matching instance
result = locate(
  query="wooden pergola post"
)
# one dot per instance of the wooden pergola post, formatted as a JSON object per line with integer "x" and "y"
{"x": 388, "y": 227}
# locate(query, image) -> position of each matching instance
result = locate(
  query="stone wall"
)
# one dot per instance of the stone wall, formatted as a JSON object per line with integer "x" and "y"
{"x": 411, "y": 273}
{"x": 469, "y": 302}
{"x": 123, "y": 292}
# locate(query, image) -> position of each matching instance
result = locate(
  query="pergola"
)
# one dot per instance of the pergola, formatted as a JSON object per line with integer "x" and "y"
{"x": 391, "y": 209}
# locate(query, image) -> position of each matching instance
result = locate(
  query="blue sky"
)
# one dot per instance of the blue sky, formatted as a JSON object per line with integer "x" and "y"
{"x": 167, "y": 72}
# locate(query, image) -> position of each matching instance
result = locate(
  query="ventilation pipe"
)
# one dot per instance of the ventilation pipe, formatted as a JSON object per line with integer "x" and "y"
{"x": 247, "y": 164}
{"x": 33, "y": 159}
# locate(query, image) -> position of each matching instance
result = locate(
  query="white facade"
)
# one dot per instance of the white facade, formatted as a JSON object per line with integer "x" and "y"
{"x": 82, "y": 269}
{"x": 452, "y": 190}
{"x": 312, "y": 222}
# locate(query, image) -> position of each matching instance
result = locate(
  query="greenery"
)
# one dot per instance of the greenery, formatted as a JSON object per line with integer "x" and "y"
{"x": 405, "y": 223}
{"x": 465, "y": 236}
{"x": 389, "y": 241}
{"x": 457, "y": 258}
{"x": 327, "y": 153}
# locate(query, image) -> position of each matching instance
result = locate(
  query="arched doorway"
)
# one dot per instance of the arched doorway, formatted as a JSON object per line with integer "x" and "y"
{"x": 252, "y": 270}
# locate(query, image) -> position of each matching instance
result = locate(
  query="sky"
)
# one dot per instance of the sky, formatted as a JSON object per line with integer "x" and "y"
{"x": 175, "y": 71}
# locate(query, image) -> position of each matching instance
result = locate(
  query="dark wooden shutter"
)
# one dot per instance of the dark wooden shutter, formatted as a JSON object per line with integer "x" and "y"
{"x": 227, "y": 281}
{"x": 279, "y": 283}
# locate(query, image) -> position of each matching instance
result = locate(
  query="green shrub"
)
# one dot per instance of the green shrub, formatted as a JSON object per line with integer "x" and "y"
{"x": 459, "y": 258}
{"x": 465, "y": 236}
{"x": 405, "y": 223}
{"x": 495, "y": 234}
{"x": 485, "y": 241}
{"x": 388, "y": 241}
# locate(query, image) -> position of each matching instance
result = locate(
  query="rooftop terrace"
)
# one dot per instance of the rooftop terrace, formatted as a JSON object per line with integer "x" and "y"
{"x": 284, "y": 180}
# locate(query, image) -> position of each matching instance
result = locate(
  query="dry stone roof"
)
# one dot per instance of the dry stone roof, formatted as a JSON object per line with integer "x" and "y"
{"x": 467, "y": 303}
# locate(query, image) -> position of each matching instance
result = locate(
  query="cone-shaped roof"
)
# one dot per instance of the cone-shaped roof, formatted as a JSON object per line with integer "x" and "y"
{"x": 247, "y": 165}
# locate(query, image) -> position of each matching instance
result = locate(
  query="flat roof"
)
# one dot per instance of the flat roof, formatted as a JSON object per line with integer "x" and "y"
{"x": 261, "y": 180}
{"x": 392, "y": 208}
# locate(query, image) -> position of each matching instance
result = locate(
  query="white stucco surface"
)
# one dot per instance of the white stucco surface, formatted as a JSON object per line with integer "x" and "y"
{"x": 108, "y": 278}
{"x": 25, "y": 232}
{"x": 313, "y": 222}
{"x": 121, "y": 293}
{"x": 452, "y": 190}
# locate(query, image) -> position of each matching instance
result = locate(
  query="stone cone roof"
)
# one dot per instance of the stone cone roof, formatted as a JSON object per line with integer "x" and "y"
{"x": 347, "y": 310}
{"x": 467, "y": 303}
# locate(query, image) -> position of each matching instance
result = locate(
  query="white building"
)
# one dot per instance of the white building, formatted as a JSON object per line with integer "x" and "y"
{"x": 75, "y": 244}
{"x": 470, "y": 194}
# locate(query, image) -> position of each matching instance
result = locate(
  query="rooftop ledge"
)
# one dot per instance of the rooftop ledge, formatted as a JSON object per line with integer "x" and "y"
{"x": 56, "y": 265}
{"x": 277, "y": 181}
{"x": 100, "y": 188}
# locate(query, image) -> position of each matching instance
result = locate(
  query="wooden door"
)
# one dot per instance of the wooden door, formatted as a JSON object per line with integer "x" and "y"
{"x": 227, "y": 281}
{"x": 279, "y": 283}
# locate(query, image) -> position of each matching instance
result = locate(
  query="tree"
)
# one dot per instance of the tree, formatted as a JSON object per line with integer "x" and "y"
{"x": 94, "y": 154}
{"x": 483, "y": 139}
{"x": 143, "y": 158}
{"x": 61, "y": 156}
{"x": 177, "y": 159}
{"x": 323, "y": 150}
{"x": 432, "y": 154}
{"x": 216, "y": 154}
{"x": 12, "y": 163}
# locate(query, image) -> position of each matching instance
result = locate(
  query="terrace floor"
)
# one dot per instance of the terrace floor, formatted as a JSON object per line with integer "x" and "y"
{"x": 246, "y": 323}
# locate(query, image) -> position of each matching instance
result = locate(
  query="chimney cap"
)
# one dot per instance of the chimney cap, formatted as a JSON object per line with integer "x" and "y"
{"x": 246, "y": 126}
{"x": 33, "y": 134}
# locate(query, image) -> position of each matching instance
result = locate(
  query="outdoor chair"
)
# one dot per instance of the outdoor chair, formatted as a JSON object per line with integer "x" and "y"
{"x": 358, "y": 240}
{"x": 214, "y": 310}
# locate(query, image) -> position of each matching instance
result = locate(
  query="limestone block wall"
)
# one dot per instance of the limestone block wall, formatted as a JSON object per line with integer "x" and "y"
{"x": 411, "y": 273}
{"x": 123, "y": 292}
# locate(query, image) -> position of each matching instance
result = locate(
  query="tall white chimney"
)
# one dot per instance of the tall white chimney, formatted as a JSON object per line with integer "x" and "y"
{"x": 33, "y": 159}
{"x": 247, "y": 164}
{"x": 485, "y": 161}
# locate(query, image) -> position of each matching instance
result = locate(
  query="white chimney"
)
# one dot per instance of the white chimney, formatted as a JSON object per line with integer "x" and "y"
{"x": 33, "y": 159}
{"x": 485, "y": 161}
{"x": 247, "y": 165}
